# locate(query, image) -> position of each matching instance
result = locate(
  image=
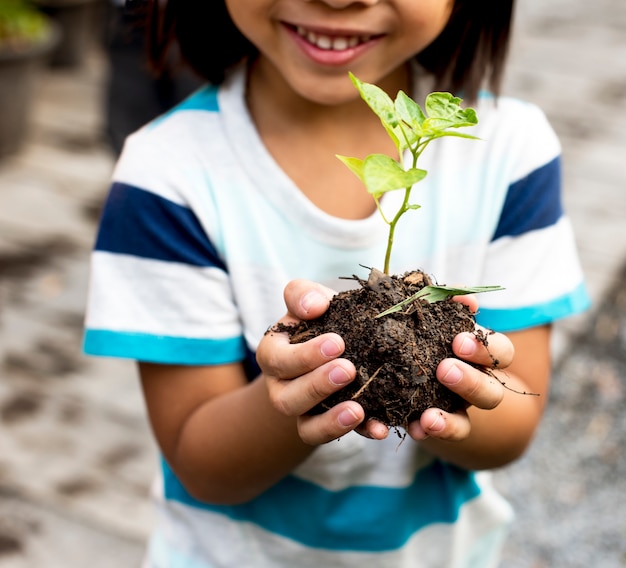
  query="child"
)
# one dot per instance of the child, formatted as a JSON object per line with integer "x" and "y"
{"x": 233, "y": 205}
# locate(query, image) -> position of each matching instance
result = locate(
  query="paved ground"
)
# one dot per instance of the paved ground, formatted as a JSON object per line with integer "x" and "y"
{"x": 76, "y": 457}
{"x": 570, "y": 488}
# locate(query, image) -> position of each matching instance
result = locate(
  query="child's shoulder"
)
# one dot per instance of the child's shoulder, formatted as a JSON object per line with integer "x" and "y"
{"x": 202, "y": 103}
{"x": 179, "y": 152}
{"x": 509, "y": 112}
{"x": 202, "y": 118}
{"x": 193, "y": 126}
{"x": 514, "y": 127}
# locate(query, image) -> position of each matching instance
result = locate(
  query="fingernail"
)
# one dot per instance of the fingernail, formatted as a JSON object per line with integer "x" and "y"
{"x": 467, "y": 347}
{"x": 347, "y": 418}
{"x": 330, "y": 348}
{"x": 309, "y": 300}
{"x": 417, "y": 432}
{"x": 453, "y": 376}
{"x": 338, "y": 376}
{"x": 437, "y": 424}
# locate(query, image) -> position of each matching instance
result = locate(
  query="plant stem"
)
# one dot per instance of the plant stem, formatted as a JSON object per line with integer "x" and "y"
{"x": 392, "y": 227}
{"x": 415, "y": 152}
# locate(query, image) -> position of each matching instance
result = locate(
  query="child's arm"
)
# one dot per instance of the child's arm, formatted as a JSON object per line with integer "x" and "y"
{"x": 228, "y": 439}
{"x": 491, "y": 438}
{"x": 223, "y": 436}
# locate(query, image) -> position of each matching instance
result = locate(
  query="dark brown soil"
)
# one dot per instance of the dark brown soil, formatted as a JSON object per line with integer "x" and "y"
{"x": 396, "y": 355}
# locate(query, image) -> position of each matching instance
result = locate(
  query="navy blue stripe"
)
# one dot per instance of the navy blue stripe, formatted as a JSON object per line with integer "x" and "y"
{"x": 363, "y": 518}
{"x": 250, "y": 365}
{"x": 533, "y": 202}
{"x": 140, "y": 223}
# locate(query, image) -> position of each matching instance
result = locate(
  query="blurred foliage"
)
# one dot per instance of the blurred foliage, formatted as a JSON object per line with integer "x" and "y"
{"x": 21, "y": 25}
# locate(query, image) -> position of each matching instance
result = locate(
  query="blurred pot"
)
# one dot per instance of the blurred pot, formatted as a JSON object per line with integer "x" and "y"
{"x": 77, "y": 19}
{"x": 21, "y": 58}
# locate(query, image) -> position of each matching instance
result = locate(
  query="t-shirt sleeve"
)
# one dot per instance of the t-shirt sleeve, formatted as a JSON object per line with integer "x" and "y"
{"x": 532, "y": 252}
{"x": 159, "y": 290}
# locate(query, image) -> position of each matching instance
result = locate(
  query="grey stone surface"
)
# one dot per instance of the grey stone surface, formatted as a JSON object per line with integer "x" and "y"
{"x": 569, "y": 57}
{"x": 76, "y": 454}
{"x": 569, "y": 489}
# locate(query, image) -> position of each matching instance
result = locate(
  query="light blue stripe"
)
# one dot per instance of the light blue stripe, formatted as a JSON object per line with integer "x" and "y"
{"x": 350, "y": 519}
{"x": 204, "y": 98}
{"x": 163, "y": 348}
{"x": 530, "y": 316}
{"x": 162, "y": 554}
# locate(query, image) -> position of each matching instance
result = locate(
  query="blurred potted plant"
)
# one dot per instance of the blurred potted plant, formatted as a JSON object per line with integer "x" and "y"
{"x": 78, "y": 20}
{"x": 27, "y": 37}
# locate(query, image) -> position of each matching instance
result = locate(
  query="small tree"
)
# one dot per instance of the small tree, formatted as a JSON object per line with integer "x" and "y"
{"x": 413, "y": 129}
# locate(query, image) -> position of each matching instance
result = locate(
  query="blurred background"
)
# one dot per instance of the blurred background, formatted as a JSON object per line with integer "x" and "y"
{"x": 76, "y": 454}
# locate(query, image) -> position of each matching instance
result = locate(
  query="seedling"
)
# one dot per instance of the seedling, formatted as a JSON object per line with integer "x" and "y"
{"x": 413, "y": 129}
{"x": 397, "y": 356}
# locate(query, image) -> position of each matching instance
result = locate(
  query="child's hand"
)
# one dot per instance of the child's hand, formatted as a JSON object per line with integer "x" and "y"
{"x": 478, "y": 388}
{"x": 299, "y": 376}
{"x": 319, "y": 370}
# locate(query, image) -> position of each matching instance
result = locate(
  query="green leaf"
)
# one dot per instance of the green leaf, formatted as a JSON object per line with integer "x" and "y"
{"x": 354, "y": 164}
{"x": 447, "y": 109}
{"x": 459, "y": 135}
{"x": 408, "y": 110}
{"x": 404, "y": 136}
{"x": 411, "y": 128}
{"x": 398, "y": 136}
{"x": 434, "y": 294}
{"x": 382, "y": 173}
{"x": 439, "y": 293}
{"x": 378, "y": 101}
{"x": 411, "y": 115}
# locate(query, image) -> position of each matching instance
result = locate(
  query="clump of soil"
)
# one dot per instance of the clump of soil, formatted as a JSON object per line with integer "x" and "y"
{"x": 396, "y": 355}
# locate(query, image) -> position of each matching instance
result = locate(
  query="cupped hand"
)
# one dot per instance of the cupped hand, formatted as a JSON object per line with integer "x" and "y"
{"x": 471, "y": 377}
{"x": 299, "y": 376}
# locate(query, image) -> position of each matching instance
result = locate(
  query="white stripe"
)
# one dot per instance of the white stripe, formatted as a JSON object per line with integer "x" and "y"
{"x": 173, "y": 167}
{"x": 354, "y": 460}
{"x": 221, "y": 541}
{"x": 149, "y": 296}
{"x": 511, "y": 130}
{"x": 535, "y": 267}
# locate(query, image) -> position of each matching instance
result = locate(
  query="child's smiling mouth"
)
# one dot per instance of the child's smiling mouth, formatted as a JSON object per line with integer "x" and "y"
{"x": 331, "y": 42}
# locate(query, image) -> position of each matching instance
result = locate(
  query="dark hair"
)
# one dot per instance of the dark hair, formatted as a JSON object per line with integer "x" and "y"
{"x": 469, "y": 53}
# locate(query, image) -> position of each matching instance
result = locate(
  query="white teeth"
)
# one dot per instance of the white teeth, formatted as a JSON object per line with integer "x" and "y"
{"x": 323, "y": 42}
{"x": 339, "y": 43}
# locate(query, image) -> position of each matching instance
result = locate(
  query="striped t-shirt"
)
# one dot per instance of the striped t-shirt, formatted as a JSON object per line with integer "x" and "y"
{"x": 200, "y": 234}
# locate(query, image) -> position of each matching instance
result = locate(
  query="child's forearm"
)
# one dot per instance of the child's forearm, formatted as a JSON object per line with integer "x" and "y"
{"x": 225, "y": 447}
{"x": 498, "y": 436}
{"x": 237, "y": 446}
{"x": 501, "y": 435}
